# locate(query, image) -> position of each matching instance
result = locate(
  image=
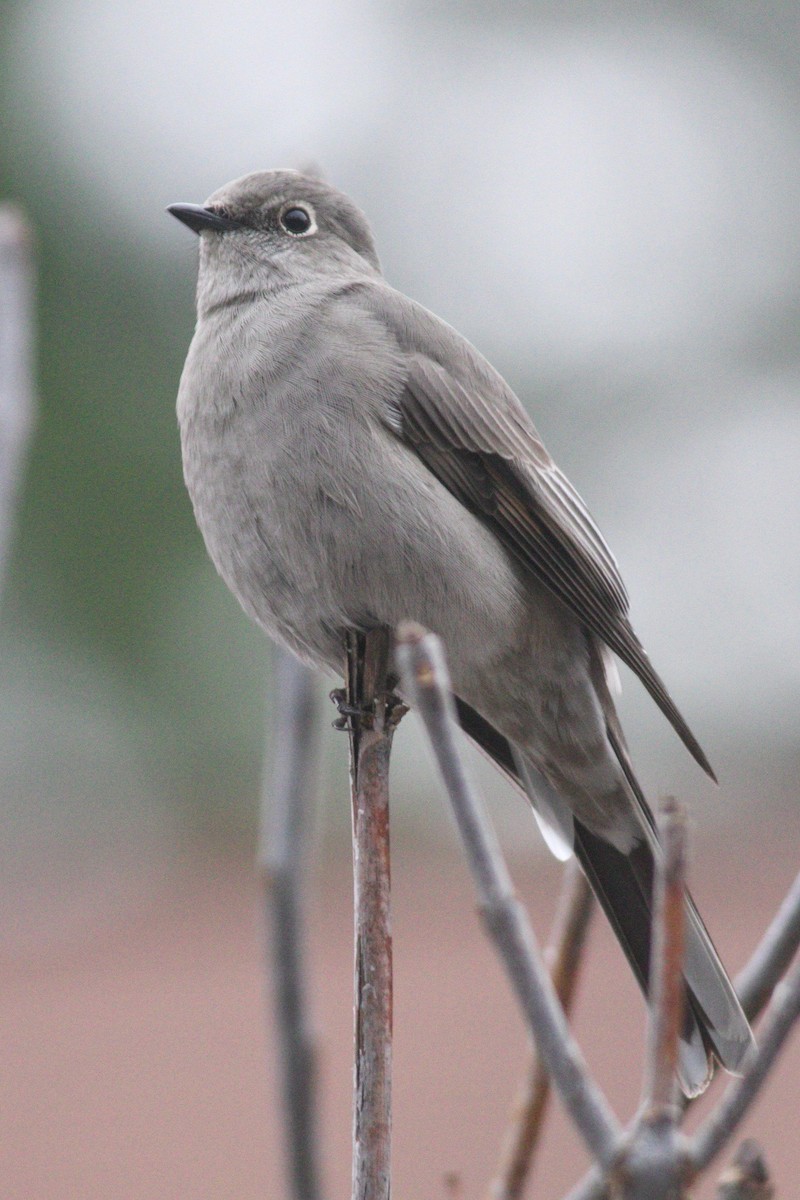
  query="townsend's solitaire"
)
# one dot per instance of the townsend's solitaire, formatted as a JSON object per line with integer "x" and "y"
{"x": 354, "y": 462}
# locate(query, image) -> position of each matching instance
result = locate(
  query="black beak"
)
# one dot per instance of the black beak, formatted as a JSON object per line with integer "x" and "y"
{"x": 199, "y": 218}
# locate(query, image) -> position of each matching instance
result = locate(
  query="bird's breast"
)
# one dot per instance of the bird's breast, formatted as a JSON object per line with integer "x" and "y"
{"x": 317, "y": 515}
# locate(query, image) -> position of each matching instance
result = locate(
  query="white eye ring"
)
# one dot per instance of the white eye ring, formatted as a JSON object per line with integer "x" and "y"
{"x": 297, "y": 219}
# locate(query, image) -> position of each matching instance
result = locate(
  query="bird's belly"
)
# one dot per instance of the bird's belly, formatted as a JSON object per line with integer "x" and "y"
{"x": 310, "y": 549}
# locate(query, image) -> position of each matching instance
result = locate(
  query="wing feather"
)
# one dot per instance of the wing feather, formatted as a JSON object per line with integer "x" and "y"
{"x": 478, "y": 440}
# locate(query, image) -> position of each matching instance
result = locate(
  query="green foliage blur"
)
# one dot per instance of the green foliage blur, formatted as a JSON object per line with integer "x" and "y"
{"x": 108, "y": 566}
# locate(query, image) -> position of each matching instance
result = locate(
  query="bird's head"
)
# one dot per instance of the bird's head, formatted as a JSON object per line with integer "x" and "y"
{"x": 275, "y": 227}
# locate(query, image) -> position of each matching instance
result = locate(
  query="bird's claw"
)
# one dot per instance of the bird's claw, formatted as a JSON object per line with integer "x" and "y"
{"x": 395, "y": 710}
{"x": 349, "y": 713}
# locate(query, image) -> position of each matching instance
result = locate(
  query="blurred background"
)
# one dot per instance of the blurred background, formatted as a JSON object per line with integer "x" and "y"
{"x": 603, "y": 197}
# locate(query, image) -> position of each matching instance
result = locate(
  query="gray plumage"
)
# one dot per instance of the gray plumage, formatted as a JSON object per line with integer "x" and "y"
{"x": 353, "y": 461}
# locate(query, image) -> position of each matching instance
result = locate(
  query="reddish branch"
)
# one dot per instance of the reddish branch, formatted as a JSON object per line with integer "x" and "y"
{"x": 373, "y": 718}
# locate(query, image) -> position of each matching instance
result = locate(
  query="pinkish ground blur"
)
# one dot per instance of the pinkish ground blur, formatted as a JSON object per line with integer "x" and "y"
{"x": 136, "y": 1060}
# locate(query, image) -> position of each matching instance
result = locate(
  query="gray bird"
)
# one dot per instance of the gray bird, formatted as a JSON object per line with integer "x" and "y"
{"x": 354, "y": 462}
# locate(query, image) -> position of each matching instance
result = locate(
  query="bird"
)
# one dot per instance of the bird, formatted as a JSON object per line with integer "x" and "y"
{"x": 353, "y": 462}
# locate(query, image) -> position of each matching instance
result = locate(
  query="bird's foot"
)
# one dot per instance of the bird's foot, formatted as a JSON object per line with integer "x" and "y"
{"x": 394, "y": 711}
{"x": 350, "y": 713}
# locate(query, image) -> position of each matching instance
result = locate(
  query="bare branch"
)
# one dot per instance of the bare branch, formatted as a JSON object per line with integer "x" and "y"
{"x": 773, "y": 955}
{"x": 426, "y": 681}
{"x": 563, "y": 957}
{"x": 373, "y": 719}
{"x": 16, "y": 360}
{"x": 721, "y": 1125}
{"x": 285, "y": 809}
{"x": 747, "y": 1178}
{"x": 754, "y": 985}
{"x": 666, "y": 971}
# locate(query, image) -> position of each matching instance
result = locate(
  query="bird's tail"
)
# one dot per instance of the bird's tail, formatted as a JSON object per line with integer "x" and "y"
{"x": 714, "y": 1025}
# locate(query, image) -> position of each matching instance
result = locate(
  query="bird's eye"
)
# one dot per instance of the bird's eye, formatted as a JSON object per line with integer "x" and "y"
{"x": 297, "y": 220}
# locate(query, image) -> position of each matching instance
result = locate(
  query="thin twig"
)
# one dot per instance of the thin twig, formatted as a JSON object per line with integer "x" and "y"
{"x": 16, "y": 360}
{"x": 665, "y": 1010}
{"x": 747, "y": 1178}
{"x": 563, "y": 957}
{"x": 286, "y": 797}
{"x": 773, "y": 955}
{"x": 426, "y": 680}
{"x": 373, "y": 719}
{"x": 717, "y": 1131}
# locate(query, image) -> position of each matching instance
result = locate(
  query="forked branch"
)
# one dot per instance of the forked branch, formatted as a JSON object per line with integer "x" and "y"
{"x": 651, "y": 1160}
